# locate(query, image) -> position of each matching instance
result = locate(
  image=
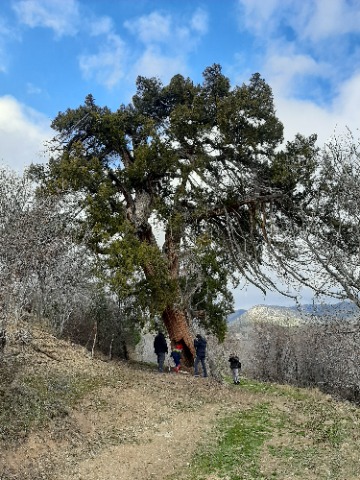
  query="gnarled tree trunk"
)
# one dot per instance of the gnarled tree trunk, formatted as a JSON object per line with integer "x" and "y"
{"x": 179, "y": 332}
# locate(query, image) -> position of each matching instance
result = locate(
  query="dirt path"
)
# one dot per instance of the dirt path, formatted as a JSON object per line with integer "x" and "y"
{"x": 149, "y": 429}
{"x": 140, "y": 435}
{"x": 143, "y": 425}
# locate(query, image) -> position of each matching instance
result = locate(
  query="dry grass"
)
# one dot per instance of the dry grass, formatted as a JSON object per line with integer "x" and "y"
{"x": 65, "y": 416}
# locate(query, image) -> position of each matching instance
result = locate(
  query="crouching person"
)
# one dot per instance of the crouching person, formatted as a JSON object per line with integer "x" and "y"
{"x": 176, "y": 356}
{"x": 235, "y": 366}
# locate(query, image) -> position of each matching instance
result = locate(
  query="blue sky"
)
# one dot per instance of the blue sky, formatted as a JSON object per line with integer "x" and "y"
{"x": 55, "y": 52}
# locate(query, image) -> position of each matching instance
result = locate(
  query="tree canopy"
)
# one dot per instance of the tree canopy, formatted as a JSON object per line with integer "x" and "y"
{"x": 186, "y": 190}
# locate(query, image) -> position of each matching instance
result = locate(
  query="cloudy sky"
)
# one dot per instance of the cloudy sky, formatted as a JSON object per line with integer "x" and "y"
{"x": 55, "y": 52}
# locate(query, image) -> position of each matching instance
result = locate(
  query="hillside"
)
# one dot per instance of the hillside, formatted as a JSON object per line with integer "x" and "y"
{"x": 65, "y": 416}
{"x": 264, "y": 313}
{"x": 295, "y": 315}
{"x": 233, "y": 316}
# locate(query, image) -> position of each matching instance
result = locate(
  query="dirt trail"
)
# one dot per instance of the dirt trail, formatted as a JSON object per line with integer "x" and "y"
{"x": 142, "y": 435}
{"x": 143, "y": 425}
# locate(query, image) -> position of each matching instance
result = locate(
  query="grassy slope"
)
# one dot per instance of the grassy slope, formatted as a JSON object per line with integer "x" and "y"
{"x": 259, "y": 431}
{"x": 287, "y": 433}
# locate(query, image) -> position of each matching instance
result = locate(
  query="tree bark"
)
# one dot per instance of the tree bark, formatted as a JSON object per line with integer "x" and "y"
{"x": 179, "y": 332}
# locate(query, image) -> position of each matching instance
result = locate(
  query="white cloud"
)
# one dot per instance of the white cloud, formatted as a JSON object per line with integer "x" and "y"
{"x": 260, "y": 16}
{"x": 101, "y": 26}
{"x": 165, "y": 40}
{"x": 305, "y": 117}
{"x": 33, "y": 89}
{"x": 168, "y": 42}
{"x": 301, "y": 116}
{"x": 311, "y": 19}
{"x": 23, "y": 132}
{"x": 335, "y": 17}
{"x": 288, "y": 68}
{"x": 61, "y": 16}
{"x": 153, "y": 28}
{"x": 153, "y": 63}
{"x": 166, "y": 31}
{"x": 7, "y": 35}
{"x": 106, "y": 66}
{"x": 306, "y": 55}
{"x": 199, "y": 21}
{"x": 346, "y": 105}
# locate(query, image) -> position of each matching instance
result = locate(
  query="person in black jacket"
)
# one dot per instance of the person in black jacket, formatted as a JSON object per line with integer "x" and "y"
{"x": 200, "y": 349}
{"x": 161, "y": 348}
{"x": 235, "y": 366}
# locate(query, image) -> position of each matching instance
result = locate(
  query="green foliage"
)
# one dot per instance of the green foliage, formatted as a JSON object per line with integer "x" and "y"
{"x": 296, "y": 164}
{"x": 211, "y": 294}
{"x": 201, "y": 160}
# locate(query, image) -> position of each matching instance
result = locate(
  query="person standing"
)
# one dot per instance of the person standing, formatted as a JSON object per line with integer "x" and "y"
{"x": 200, "y": 349}
{"x": 161, "y": 348}
{"x": 235, "y": 366}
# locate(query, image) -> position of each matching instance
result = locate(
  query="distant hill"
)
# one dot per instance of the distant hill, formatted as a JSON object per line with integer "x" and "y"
{"x": 266, "y": 313}
{"x": 235, "y": 315}
{"x": 339, "y": 310}
{"x": 293, "y": 316}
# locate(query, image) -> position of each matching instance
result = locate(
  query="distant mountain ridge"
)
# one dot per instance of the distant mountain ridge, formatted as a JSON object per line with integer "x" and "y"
{"x": 340, "y": 309}
{"x": 295, "y": 314}
{"x": 266, "y": 313}
{"x": 235, "y": 315}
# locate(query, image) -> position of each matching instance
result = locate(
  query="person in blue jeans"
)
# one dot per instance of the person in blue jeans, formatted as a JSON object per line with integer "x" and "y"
{"x": 235, "y": 366}
{"x": 176, "y": 356}
{"x": 200, "y": 350}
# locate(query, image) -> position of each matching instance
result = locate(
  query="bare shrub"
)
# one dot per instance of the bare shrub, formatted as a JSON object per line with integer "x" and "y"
{"x": 324, "y": 354}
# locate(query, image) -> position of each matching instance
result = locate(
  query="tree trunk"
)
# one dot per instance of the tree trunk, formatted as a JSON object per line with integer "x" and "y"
{"x": 179, "y": 332}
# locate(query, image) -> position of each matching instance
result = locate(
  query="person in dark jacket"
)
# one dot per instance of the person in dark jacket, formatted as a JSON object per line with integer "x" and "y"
{"x": 200, "y": 349}
{"x": 161, "y": 348}
{"x": 235, "y": 366}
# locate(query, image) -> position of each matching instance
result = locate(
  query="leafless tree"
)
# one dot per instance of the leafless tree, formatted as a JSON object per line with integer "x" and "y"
{"x": 40, "y": 264}
{"x": 326, "y": 227}
{"x": 322, "y": 352}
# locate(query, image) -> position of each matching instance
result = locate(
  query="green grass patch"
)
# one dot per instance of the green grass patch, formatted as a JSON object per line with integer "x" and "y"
{"x": 234, "y": 451}
{"x": 288, "y": 433}
{"x": 274, "y": 389}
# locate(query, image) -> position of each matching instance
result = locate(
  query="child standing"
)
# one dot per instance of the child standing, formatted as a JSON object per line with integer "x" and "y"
{"x": 235, "y": 366}
{"x": 176, "y": 356}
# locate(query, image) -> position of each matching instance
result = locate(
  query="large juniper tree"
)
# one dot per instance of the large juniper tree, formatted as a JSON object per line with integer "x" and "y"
{"x": 179, "y": 188}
